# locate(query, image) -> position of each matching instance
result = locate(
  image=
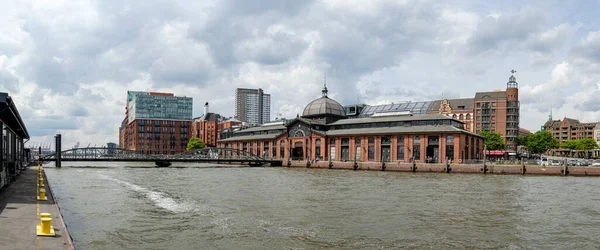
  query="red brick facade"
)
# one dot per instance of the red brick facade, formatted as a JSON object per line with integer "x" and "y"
{"x": 155, "y": 136}
{"x": 371, "y": 147}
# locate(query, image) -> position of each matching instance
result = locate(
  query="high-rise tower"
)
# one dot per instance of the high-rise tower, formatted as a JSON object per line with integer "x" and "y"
{"x": 252, "y": 106}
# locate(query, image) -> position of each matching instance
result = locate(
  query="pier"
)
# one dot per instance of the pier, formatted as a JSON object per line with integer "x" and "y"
{"x": 20, "y": 212}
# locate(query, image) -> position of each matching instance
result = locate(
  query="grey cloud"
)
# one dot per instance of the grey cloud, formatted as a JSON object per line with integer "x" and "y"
{"x": 586, "y": 54}
{"x": 492, "y": 34}
{"x": 591, "y": 104}
{"x": 50, "y": 125}
{"x": 78, "y": 111}
{"x": 271, "y": 48}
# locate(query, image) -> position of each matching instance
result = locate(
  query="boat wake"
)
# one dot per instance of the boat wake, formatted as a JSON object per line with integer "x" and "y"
{"x": 160, "y": 199}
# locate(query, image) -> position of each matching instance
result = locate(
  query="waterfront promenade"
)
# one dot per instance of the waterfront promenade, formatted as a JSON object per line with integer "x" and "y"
{"x": 19, "y": 215}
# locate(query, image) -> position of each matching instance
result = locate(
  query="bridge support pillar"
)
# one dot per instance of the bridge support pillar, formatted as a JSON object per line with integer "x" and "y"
{"x": 57, "y": 146}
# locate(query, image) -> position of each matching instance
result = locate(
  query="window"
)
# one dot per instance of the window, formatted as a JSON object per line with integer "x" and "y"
{"x": 318, "y": 148}
{"x": 400, "y": 149}
{"x": 385, "y": 140}
{"x": 449, "y": 139}
{"x": 371, "y": 139}
{"x": 400, "y": 140}
{"x": 371, "y": 152}
{"x": 416, "y": 148}
{"x": 281, "y": 149}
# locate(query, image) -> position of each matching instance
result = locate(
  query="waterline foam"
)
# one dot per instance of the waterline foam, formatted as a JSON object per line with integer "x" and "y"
{"x": 160, "y": 199}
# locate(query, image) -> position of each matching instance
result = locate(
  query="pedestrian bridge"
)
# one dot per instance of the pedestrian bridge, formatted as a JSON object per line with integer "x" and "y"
{"x": 208, "y": 155}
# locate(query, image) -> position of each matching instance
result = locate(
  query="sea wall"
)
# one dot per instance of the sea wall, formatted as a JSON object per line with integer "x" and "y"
{"x": 452, "y": 168}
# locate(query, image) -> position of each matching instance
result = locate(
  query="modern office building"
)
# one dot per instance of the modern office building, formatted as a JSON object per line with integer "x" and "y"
{"x": 13, "y": 156}
{"x": 156, "y": 123}
{"x": 252, "y": 106}
{"x": 325, "y": 132}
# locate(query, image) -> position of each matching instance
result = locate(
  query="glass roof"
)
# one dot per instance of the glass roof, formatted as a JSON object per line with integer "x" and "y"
{"x": 414, "y": 107}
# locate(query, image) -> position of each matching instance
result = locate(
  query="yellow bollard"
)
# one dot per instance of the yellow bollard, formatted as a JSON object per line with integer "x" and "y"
{"x": 41, "y": 182}
{"x": 45, "y": 228}
{"x": 42, "y": 196}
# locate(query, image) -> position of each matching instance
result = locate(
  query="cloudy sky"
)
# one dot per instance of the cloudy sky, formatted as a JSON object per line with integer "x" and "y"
{"x": 68, "y": 64}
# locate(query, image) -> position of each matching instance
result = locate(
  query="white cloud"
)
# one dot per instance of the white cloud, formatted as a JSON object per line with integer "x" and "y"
{"x": 68, "y": 64}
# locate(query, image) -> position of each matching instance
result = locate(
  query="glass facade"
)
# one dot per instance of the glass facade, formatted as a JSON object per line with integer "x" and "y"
{"x": 145, "y": 105}
{"x": 413, "y": 107}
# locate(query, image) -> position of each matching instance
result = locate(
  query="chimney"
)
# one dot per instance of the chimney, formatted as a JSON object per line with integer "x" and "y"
{"x": 205, "y": 109}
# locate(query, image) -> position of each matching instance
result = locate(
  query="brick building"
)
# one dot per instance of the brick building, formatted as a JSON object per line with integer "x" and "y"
{"x": 499, "y": 111}
{"x": 570, "y": 129}
{"x": 460, "y": 109}
{"x": 156, "y": 123}
{"x": 324, "y": 132}
{"x": 209, "y": 126}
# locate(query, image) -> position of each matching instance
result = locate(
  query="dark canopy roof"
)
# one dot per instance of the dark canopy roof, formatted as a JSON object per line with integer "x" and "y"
{"x": 10, "y": 116}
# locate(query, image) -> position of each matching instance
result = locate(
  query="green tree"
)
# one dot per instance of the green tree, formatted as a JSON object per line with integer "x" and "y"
{"x": 541, "y": 141}
{"x": 523, "y": 140}
{"x": 570, "y": 144}
{"x": 195, "y": 143}
{"x": 493, "y": 140}
{"x": 587, "y": 144}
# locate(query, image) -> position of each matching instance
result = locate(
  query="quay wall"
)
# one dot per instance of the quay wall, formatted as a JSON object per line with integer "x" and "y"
{"x": 451, "y": 168}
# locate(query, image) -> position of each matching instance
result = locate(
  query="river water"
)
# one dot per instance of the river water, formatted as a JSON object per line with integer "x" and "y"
{"x": 129, "y": 206}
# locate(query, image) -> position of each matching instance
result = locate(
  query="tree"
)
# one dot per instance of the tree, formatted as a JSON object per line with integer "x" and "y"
{"x": 570, "y": 144}
{"x": 493, "y": 140}
{"x": 587, "y": 144}
{"x": 195, "y": 143}
{"x": 541, "y": 141}
{"x": 524, "y": 140}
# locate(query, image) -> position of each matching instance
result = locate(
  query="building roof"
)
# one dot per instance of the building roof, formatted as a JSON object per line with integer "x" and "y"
{"x": 415, "y": 129}
{"x": 493, "y": 94}
{"x": 571, "y": 121}
{"x": 413, "y": 107}
{"x": 251, "y": 137}
{"x": 212, "y": 117}
{"x": 261, "y": 128}
{"x": 10, "y": 116}
{"x": 454, "y": 104}
{"x": 423, "y": 117}
{"x": 323, "y": 106}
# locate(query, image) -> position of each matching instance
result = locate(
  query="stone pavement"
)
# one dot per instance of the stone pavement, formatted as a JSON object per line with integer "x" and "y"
{"x": 19, "y": 215}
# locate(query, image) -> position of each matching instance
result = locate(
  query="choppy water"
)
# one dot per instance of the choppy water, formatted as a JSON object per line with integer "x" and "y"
{"x": 120, "y": 207}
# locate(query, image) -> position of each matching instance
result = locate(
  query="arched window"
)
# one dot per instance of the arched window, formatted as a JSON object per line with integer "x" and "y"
{"x": 318, "y": 149}
{"x": 454, "y": 116}
{"x": 281, "y": 149}
{"x": 468, "y": 117}
{"x": 460, "y": 117}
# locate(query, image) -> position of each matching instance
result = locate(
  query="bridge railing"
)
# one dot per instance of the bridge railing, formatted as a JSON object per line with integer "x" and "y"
{"x": 119, "y": 154}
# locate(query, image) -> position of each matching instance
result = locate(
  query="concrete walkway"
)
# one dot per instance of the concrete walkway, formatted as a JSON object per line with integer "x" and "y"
{"x": 19, "y": 215}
